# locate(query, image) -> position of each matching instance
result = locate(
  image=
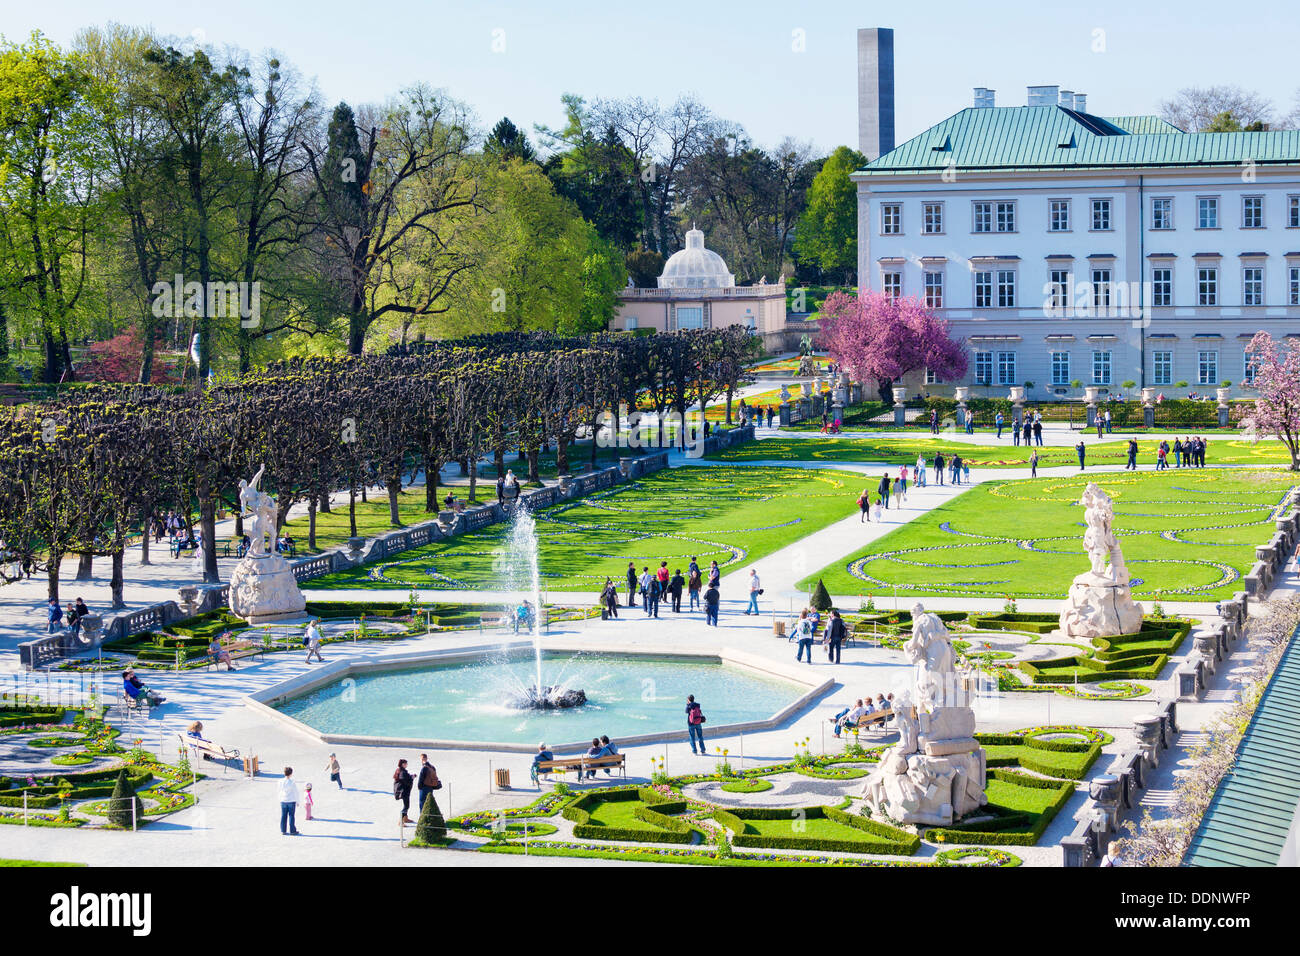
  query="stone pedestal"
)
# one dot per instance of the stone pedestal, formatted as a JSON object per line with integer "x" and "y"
{"x": 840, "y": 395}
{"x": 189, "y": 599}
{"x": 1147, "y": 729}
{"x": 900, "y": 411}
{"x": 91, "y": 633}
{"x": 1100, "y": 606}
{"x": 263, "y": 588}
{"x": 785, "y": 414}
{"x": 938, "y": 784}
{"x": 356, "y": 544}
{"x": 837, "y": 412}
{"x": 625, "y": 467}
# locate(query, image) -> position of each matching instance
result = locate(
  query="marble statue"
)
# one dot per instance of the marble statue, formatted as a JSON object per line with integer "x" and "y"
{"x": 1100, "y": 602}
{"x": 936, "y": 772}
{"x": 262, "y": 586}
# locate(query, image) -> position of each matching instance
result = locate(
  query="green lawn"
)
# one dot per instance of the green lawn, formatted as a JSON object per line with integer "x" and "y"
{"x": 733, "y": 515}
{"x": 1187, "y": 535}
{"x": 904, "y": 449}
{"x": 811, "y": 828}
{"x": 620, "y": 815}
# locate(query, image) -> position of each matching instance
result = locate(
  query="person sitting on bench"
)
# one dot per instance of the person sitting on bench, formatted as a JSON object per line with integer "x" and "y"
{"x": 849, "y": 719}
{"x": 542, "y": 756}
{"x": 196, "y": 729}
{"x": 133, "y": 689}
{"x": 218, "y": 653}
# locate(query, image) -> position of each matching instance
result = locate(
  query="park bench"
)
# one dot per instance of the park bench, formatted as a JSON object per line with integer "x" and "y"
{"x": 135, "y": 705}
{"x": 207, "y": 749}
{"x": 876, "y": 719}
{"x": 237, "y": 650}
{"x": 581, "y": 764}
{"x": 494, "y": 619}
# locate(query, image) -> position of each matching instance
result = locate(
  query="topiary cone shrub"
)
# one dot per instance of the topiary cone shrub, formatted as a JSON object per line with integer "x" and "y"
{"x": 431, "y": 827}
{"x": 119, "y": 804}
{"x": 821, "y": 600}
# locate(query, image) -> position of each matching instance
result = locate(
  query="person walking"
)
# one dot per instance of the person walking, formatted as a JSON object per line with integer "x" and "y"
{"x": 1038, "y": 428}
{"x": 755, "y": 589}
{"x": 695, "y": 724}
{"x": 1015, "y": 433}
{"x": 864, "y": 505}
{"x": 609, "y": 598}
{"x": 287, "y": 794}
{"x": 834, "y": 637}
{"x": 1108, "y": 421}
{"x": 997, "y": 420}
{"x": 662, "y": 577}
{"x": 1132, "y": 455}
{"x": 883, "y": 490}
{"x": 920, "y": 471}
{"x": 402, "y": 783}
{"x": 956, "y": 469}
{"x": 307, "y": 802}
{"x": 693, "y": 584}
{"x": 428, "y": 780}
{"x": 54, "y": 617}
{"x": 675, "y": 590}
{"x": 501, "y": 489}
{"x": 1027, "y": 430}
{"x": 1101, "y": 426}
{"x": 715, "y": 575}
{"x": 312, "y": 639}
{"x": 631, "y": 584}
{"x": 335, "y": 772}
{"x": 1178, "y": 452}
{"x": 900, "y": 492}
{"x": 650, "y": 594}
{"x": 711, "y": 600}
{"x": 938, "y": 466}
{"x": 1082, "y": 450}
{"x": 1162, "y": 456}
{"x": 804, "y": 635}
{"x": 902, "y": 475}
{"x": 1033, "y": 464}
{"x": 934, "y": 421}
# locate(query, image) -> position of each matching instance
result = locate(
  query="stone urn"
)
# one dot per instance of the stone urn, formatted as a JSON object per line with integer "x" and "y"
{"x": 961, "y": 393}
{"x": 189, "y": 599}
{"x": 1148, "y": 729}
{"x": 1091, "y": 393}
{"x": 1222, "y": 395}
{"x": 807, "y": 388}
{"x": 566, "y": 483}
{"x": 92, "y": 630}
{"x": 354, "y": 547}
{"x": 900, "y": 396}
{"x": 1017, "y": 394}
{"x": 1148, "y": 397}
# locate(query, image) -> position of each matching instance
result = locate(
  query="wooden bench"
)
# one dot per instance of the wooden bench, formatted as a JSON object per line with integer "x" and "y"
{"x": 207, "y": 750}
{"x": 582, "y": 764}
{"x": 876, "y": 719}
{"x": 135, "y": 705}
{"x": 237, "y": 650}
{"x": 494, "y": 619}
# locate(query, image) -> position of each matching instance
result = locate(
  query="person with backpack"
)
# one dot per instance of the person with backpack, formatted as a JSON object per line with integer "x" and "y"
{"x": 695, "y": 724}
{"x": 609, "y": 598}
{"x": 693, "y": 583}
{"x": 428, "y": 780}
{"x": 883, "y": 490}
{"x": 711, "y": 600}
{"x": 402, "y": 783}
{"x": 803, "y": 632}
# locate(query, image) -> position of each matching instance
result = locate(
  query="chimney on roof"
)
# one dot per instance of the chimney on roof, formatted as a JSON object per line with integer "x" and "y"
{"x": 984, "y": 98}
{"x": 875, "y": 91}
{"x": 1042, "y": 95}
{"x": 1066, "y": 99}
{"x": 1081, "y": 102}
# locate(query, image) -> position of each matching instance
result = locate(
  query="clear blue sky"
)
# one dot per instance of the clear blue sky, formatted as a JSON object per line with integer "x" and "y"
{"x": 737, "y": 57}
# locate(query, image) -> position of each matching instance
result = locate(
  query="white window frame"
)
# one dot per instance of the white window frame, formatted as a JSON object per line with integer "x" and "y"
{"x": 1005, "y": 215}
{"x": 1293, "y": 211}
{"x": 1207, "y": 212}
{"x": 1101, "y": 366}
{"x": 1103, "y": 205}
{"x": 1249, "y": 368}
{"x": 1058, "y": 215}
{"x": 1100, "y": 290}
{"x": 1207, "y": 286}
{"x": 1060, "y": 366}
{"x": 1162, "y": 367}
{"x": 984, "y": 289}
{"x": 1006, "y": 363}
{"x": 891, "y": 214}
{"x": 1207, "y": 367}
{"x": 933, "y": 289}
{"x": 1162, "y": 289}
{"x": 932, "y": 219}
{"x": 1006, "y": 288}
{"x": 1293, "y": 285}
{"x": 1259, "y": 224}
{"x": 981, "y": 212}
{"x": 1062, "y": 285}
{"x": 985, "y": 359}
{"x": 891, "y": 282}
{"x": 1252, "y": 285}
{"x": 1168, "y": 202}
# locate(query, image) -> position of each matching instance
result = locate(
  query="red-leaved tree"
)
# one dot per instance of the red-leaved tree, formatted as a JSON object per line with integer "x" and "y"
{"x": 877, "y": 336}
{"x": 118, "y": 360}
{"x": 1277, "y": 382}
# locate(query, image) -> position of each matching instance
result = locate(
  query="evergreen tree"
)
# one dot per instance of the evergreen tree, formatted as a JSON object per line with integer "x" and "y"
{"x": 431, "y": 827}
{"x": 828, "y": 230}
{"x": 119, "y": 804}
{"x": 507, "y": 141}
{"x": 821, "y": 599}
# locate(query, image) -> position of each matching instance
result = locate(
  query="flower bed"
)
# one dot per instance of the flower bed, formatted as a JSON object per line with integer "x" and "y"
{"x": 797, "y": 829}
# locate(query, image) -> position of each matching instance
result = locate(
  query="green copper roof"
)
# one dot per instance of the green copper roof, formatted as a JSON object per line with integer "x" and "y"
{"x": 1248, "y": 819}
{"x": 1053, "y": 137}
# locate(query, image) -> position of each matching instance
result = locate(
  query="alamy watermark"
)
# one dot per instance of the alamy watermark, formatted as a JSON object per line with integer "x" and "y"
{"x": 242, "y": 300}
{"x": 645, "y": 430}
{"x": 1125, "y": 300}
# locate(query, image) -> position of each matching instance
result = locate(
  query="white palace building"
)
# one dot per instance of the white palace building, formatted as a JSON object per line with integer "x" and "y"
{"x": 1065, "y": 246}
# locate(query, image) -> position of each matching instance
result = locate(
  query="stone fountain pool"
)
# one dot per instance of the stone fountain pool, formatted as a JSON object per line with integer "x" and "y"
{"x": 463, "y": 700}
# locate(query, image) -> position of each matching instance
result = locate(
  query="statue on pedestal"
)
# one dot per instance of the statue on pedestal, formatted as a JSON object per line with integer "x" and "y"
{"x": 262, "y": 586}
{"x": 1100, "y": 602}
{"x": 935, "y": 773}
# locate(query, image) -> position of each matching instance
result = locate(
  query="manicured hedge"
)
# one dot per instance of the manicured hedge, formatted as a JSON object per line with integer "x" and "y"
{"x": 993, "y": 832}
{"x": 877, "y": 837}
{"x": 16, "y": 718}
{"x": 674, "y": 830}
{"x": 346, "y": 609}
{"x": 1028, "y": 623}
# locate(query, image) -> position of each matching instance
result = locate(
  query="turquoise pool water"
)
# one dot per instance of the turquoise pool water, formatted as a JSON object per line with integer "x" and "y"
{"x": 465, "y": 701}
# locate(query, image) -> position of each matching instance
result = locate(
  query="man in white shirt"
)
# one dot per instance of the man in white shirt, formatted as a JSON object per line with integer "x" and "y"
{"x": 754, "y": 590}
{"x": 312, "y": 637}
{"x": 287, "y": 791}
{"x": 850, "y": 720}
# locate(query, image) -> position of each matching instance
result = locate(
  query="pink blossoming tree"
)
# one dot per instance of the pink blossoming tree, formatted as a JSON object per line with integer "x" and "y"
{"x": 1277, "y": 381}
{"x": 877, "y": 336}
